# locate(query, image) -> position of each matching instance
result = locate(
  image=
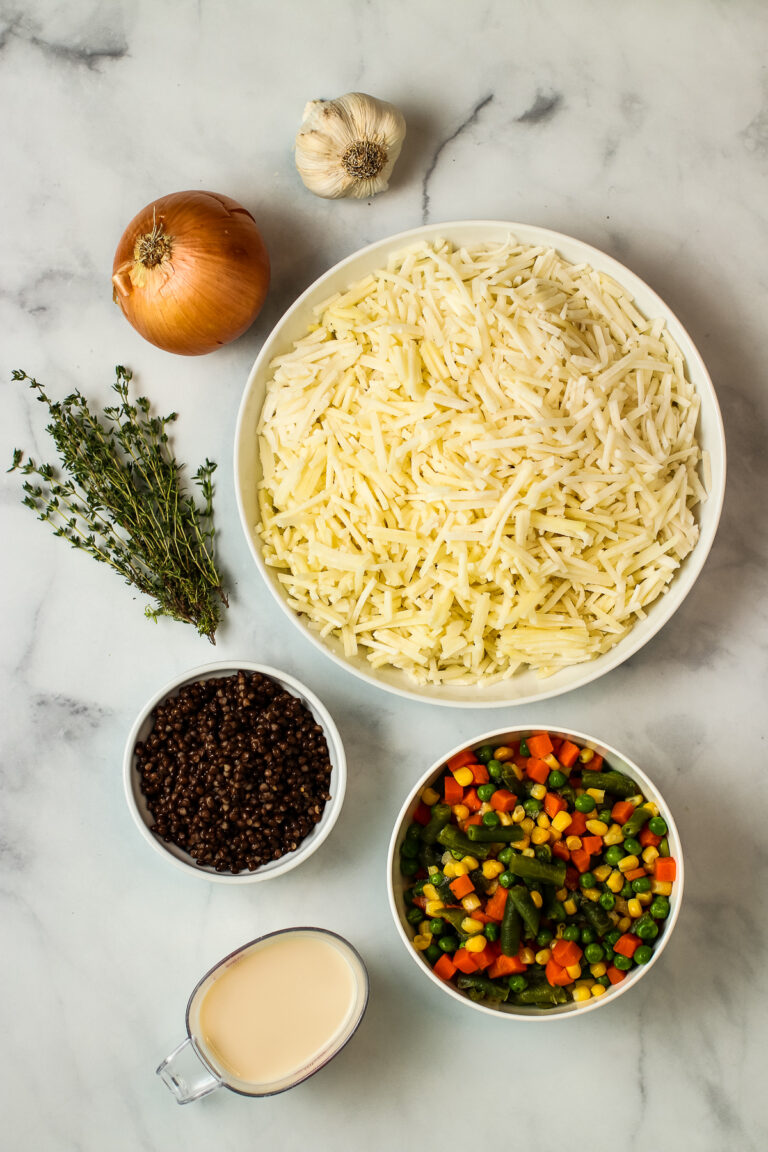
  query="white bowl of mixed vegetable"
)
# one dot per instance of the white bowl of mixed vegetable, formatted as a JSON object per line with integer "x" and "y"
{"x": 535, "y": 873}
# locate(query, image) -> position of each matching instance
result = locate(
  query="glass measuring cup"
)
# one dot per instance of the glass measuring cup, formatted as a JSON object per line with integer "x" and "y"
{"x": 269, "y": 1015}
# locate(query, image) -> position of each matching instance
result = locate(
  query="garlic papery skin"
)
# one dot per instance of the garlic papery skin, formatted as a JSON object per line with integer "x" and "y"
{"x": 348, "y": 146}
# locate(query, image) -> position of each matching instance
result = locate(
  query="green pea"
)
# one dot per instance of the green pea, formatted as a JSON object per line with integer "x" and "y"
{"x": 494, "y": 770}
{"x": 556, "y": 779}
{"x": 664, "y": 847}
{"x": 626, "y": 891}
{"x": 409, "y": 849}
{"x": 632, "y": 847}
{"x": 433, "y": 953}
{"x": 587, "y": 880}
{"x": 607, "y": 900}
{"x": 524, "y": 749}
{"x": 485, "y": 753}
{"x": 436, "y": 926}
{"x": 413, "y": 833}
{"x": 612, "y": 937}
{"x": 646, "y": 929}
{"x": 447, "y": 943}
{"x": 587, "y": 935}
{"x": 532, "y": 807}
{"x": 659, "y": 909}
{"x": 491, "y": 819}
{"x": 571, "y": 932}
{"x": 642, "y": 954}
{"x": 584, "y": 803}
{"x": 507, "y": 879}
{"x": 543, "y": 852}
{"x": 658, "y": 825}
{"x": 505, "y": 855}
{"x": 408, "y": 867}
{"x": 623, "y": 963}
{"x": 614, "y": 854}
{"x": 545, "y": 937}
{"x": 517, "y": 983}
{"x": 491, "y": 932}
{"x": 605, "y": 815}
{"x": 604, "y": 981}
{"x": 642, "y": 884}
{"x": 485, "y": 791}
{"x": 557, "y": 913}
{"x": 414, "y": 915}
{"x": 594, "y": 953}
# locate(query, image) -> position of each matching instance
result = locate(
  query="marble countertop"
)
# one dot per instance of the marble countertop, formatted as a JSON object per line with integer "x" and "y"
{"x": 642, "y": 130}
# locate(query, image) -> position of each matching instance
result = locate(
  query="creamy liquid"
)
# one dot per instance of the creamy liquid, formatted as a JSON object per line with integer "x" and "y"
{"x": 276, "y": 1007}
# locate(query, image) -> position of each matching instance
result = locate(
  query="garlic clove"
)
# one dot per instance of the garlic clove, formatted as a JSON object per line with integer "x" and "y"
{"x": 348, "y": 146}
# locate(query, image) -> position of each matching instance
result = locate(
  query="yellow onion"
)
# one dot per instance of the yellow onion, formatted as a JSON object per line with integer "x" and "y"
{"x": 191, "y": 272}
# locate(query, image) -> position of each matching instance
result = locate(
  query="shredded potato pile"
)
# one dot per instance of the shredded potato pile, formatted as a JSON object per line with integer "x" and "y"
{"x": 476, "y": 461}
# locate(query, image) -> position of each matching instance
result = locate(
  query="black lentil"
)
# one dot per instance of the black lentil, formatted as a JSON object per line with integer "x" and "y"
{"x": 235, "y": 771}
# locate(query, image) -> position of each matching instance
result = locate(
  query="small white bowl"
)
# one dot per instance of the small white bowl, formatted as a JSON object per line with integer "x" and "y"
{"x": 396, "y": 884}
{"x": 142, "y": 816}
{"x": 525, "y": 686}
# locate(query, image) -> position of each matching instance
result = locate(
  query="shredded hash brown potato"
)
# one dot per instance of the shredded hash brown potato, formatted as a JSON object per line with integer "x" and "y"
{"x": 478, "y": 460}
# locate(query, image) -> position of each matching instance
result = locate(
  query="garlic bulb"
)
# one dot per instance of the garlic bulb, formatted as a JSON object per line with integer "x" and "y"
{"x": 348, "y": 147}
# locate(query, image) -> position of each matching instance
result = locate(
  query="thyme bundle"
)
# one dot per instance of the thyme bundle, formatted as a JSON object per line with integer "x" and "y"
{"x": 123, "y": 501}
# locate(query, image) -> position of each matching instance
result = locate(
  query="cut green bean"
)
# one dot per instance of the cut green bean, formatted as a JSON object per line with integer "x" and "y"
{"x": 520, "y": 897}
{"x": 639, "y": 817}
{"x": 610, "y": 781}
{"x": 452, "y": 838}
{"x": 489, "y": 989}
{"x": 441, "y": 814}
{"x": 497, "y": 835}
{"x": 529, "y": 868}
{"x": 542, "y": 995}
{"x": 597, "y": 916}
{"x": 511, "y": 928}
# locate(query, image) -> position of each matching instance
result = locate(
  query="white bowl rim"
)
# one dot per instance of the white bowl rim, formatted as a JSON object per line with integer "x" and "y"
{"x": 662, "y": 609}
{"x": 291, "y": 859}
{"x": 564, "y": 1011}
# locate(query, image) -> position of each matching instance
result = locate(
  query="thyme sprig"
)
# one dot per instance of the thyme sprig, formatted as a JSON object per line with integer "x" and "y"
{"x": 123, "y": 501}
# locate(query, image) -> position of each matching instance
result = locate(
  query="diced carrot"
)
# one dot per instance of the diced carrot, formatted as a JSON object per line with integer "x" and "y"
{"x": 503, "y": 800}
{"x": 520, "y": 762}
{"x": 506, "y": 966}
{"x": 571, "y": 878}
{"x": 461, "y": 760}
{"x": 537, "y": 770}
{"x": 420, "y": 902}
{"x": 596, "y": 763}
{"x": 483, "y": 917}
{"x": 615, "y": 975}
{"x": 422, "y": 813}
{"x": 568, "y": 754}
{"x": 578, "y": 824}
{"x": 540, "y": 745}
{"x": 566, "y": 952}
{"x": 461, "y": 887}
{"x": 559, "y": 849}
{"x": 648, "y": 839}
{"x": 476, "y": 819}
{"x": 665, "y": 868}
{"x": 556, "y": 744}
{"x": 627, "y": 945}
{"x": 556, "y": 974}
{"x": 465, "y": 961}
{"x": 553, "y": 804}
{"x": 581, "y": 859}
{"x": 635, "y": 873}
{"x": 453, "y": 792}
{"x": 621, "y": 811}
{"x": 490, "y": 953}
{"x": 444, "y": 967}
{"x": 472, "y": 800}
{"x": 480, "y": 773}
{"x": 591, "y": 844}
{"x": 495, "y": 906}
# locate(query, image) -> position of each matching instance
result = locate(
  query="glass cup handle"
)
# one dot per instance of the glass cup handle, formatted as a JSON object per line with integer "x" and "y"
{"x": 186, "y": 1075}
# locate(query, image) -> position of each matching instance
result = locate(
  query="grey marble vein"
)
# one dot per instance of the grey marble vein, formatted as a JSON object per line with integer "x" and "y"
{"x": 466, "y": 123}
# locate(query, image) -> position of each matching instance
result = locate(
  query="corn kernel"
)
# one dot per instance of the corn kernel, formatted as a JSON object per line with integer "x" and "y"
{"x": 559, "y": 931}
{"x": 536, "y": 899}
{"x": 653, "y": 808}
{"x": 492, "y": 886}
{"x": 430, "y": 892}
{"x": 540, "y": 836}
{"x": 599, "y": 969}
{"x": 484, "y": 807}
{"x": 597, "y": 827}
{"x": 635, "y": 801}
{"x": 561, "y": 894}
{"x": 503, "y": 753}
{"x": 433, "y": 907}
{"x": 462, "y": 867}
{"x": 464, "y": 777}
{"x": 621, "y": 906}
{"x": 649, "y": 855}
{"x": 538, "y": 792}
{"x": 591, "y": 894}
{"x": 598, "y": 990}
{"x": 430, "y": 797}
{"x": 424, "y": 929}
{"x": 554, "y": 834}
{"x": 461, "y": 812}
{"x": 628, "y": 863}
{"x": 543, "y": 956}
{"x": 635, "y": 908}
{"x": 574, "y": 971}
{"x": 521, "y": 845}
{"x": 602, "y": 872}
{"x": 586, "y": 755}
{"x": 476, "y": 943}
{"x": 505, "y": 819}
{"x": 615, "y": 881}
{"x": 528, "y": 825}
{"x": 552, "y": 762}
{"x": 614, "y": 918}
{"x": 518, "y": 772}
{"x": 433, "y": 869}
{"x": 518, "y": 814}
{"x": 471, "y": 863}
{"x": 449, "y": 869}
{"x": 570, "y": 907}
{"x": 446, "y": 856}
{"x": 614, "y": 835}
{"x": 661, "y": 887}
{"x": 528, "y": 852}
{"x": 471, "y": 926}
{"x": 581, "y": 994}
{"x": 572, "y": 843}
{"x": 645, "y": 898}
{"x": 469, "y": 903}
{"x": 542, "y": 820}
{"x": 492, "y": 869}
{"x": 526, "y": 955}
{"x": 562, "y": 821}
{"x": 421, "y": 943}
{"x": 597, "y": 794}
{"x": 624, "y": 924}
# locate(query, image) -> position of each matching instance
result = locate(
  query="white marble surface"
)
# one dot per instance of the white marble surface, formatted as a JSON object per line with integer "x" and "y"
{"x": 642, "y": 129}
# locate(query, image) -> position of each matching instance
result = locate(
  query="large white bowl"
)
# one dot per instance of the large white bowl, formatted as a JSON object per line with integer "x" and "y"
{"x": 137, "y": 802}
{"x": 524, "y": 687}
{"x": 396, "y": 885}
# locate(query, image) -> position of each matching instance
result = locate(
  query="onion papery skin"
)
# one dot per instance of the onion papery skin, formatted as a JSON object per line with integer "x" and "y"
{"x": 209, "y": 285}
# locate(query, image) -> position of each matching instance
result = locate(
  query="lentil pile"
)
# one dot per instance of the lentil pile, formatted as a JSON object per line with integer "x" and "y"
{"x": 235, "y": 771}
